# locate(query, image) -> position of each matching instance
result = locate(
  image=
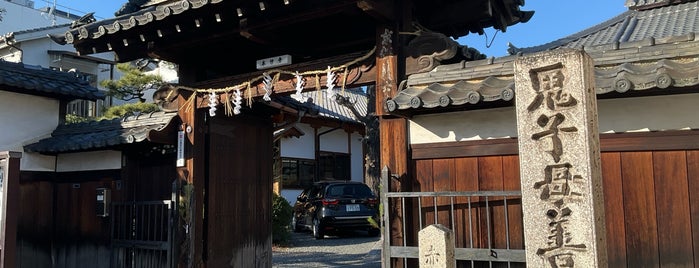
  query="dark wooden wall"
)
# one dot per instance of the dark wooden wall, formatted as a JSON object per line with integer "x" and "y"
{"x": 149, "y": 176}
{"x": 239, "y": 192}
{"x": 651, "y": 189}
{"x": 35, "y": 224}
{"x": 58, "y": 226}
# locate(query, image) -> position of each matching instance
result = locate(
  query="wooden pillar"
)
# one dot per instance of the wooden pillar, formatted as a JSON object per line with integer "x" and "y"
{"x": 10, "y": 207}
{"x": 393, "y": 131}
{"x": 193, "y": 173}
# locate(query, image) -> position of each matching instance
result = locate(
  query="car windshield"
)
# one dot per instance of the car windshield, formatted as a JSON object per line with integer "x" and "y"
{"x": 349, "y": 190}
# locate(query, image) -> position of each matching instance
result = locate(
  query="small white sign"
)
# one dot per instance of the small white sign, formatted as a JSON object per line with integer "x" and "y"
{"x": 273, "y": 62}
{"x": 180, "y": 148}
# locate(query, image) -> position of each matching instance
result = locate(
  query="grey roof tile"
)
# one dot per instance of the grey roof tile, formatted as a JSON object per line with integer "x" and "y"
{"x": 36, "y": 80}
{"x": 652, "y": 46}
{"x": 657, "y": 22}
{"x": 102, "y": 134}
{"x": 326, "y": 107}
{"x": 33, "y": 30}
{"x": 623, "y": 70}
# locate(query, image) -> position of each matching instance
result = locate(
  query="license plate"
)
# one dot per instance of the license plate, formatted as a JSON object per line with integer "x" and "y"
{"x": 352, "y": 207}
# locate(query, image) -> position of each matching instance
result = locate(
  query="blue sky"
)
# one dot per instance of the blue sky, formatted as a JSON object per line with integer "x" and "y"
{"x": 553, "y": 19}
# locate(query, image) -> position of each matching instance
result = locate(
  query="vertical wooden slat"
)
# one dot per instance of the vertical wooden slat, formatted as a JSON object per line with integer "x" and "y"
{"x": 491, "y": 179}
{"x": 693, "y": 186}
{"x": 425, "y": 180}
{"x": 614, "y": 209}
{"x": 672, "y": 201}
{"x": 511, "y": 182}
{"x": 639, "y": 209}
{"x": 493, "y": 172}
{"x": 466, "y": 180}
{"x": 443, "y": 181}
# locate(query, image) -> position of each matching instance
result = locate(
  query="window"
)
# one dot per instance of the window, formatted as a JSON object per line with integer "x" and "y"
{"x": 85, "y": 108}
{"x": 298, "y": 173}
{"x": 334, "y": 166}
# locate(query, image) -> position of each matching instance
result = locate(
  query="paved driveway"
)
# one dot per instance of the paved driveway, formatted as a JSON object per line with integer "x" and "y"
{"x": 351, "y": 250}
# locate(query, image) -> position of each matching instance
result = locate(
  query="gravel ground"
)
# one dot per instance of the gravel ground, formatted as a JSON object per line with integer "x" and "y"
{"x": 350, "y": 250}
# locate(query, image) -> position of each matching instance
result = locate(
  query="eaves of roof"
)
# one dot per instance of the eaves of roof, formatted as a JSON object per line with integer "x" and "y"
{"x": 326, "y": 107}
{"x": 144, "y": 16}
{"x": 43, "y": 30}
{"x": 76, "y": 55}
{"x": 102, "y": 134}
{"x": 651, "y": 48}
{"x": 36, "y": 80}
{"x": 630, "y": 67}
{"x": 11, "y": 38}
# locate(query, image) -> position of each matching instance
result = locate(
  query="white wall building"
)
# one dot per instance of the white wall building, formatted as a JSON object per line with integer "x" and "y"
{"x": 325, "y": 147}
{"x": 24, "y": 39}
{"x": 30, "y": 102}
{"x": 22, "y": 14}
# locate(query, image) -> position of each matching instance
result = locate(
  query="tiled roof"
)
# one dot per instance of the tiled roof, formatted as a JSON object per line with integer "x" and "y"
{"x": 661, "y": 22}
{"x": 654, "y": 48}
{"x": 640, "y": 4}
{"x": 128, "y": 21}
{"x": 36, "y": 80}
{"x": 101, "y": 134}
{"x": 54, "y": 27}
{"x": 495, "y": 81}
{"x": 327, "y": 107}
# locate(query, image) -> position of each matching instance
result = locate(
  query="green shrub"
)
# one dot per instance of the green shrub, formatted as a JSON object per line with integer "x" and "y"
{"x": 281, "y": 217}
{"x": 128, "y": 109}
{"x": 73, "y": 119}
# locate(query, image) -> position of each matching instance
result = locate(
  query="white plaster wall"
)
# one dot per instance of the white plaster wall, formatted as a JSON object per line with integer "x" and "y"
{"x": 357, "y": 158}
{"x": 98, "y": 160}
{"x": 672, "y": 112}
{"x": 302, "y": 147}
{"x": 35, "y": 53}
{"x": 333, "y": 141}
{"x": 20, "y": 17}
{"x": 37, "y": 162}
{"x": 26, "y": 119}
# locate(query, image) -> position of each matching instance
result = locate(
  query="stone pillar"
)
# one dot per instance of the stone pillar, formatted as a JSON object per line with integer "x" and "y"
{"x": 559, "y": 157}
{"x": 436, "y": 247}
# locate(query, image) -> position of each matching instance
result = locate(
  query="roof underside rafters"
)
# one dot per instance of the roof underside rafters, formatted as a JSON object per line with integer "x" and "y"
{"x": 241, "y": 31}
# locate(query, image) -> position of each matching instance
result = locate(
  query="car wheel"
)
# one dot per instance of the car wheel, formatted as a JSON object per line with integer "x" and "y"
{"x": 295, "y": 225}
{"x": 317, "y": 230}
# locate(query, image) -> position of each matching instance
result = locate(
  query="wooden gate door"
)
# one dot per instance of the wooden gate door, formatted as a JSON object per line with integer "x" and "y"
{"x": 142, "y": 229}
{"x": 142, "y": 234}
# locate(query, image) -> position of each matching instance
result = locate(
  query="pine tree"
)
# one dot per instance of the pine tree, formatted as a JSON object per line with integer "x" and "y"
{"x": 132, "y": 83}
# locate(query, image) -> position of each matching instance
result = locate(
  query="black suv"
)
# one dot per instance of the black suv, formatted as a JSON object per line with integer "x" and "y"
{"x": 333, "y": 206}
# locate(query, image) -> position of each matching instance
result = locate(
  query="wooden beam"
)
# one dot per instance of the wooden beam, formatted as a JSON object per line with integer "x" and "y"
{"x": 287, "y": 84}
{"x": 245, "y": 32}
{"x": 380, "y": 10}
